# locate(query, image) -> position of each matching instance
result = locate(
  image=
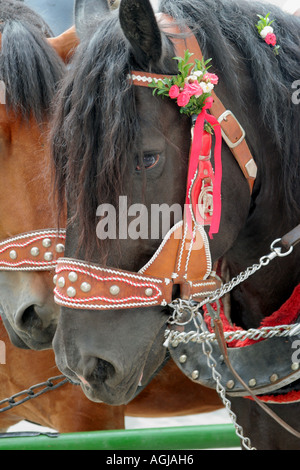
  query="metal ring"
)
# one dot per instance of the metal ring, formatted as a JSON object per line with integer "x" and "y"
{"x": 278, "y": 250}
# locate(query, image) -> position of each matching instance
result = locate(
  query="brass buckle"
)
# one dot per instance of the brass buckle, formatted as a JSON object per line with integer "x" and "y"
{"x": 225, "y": 137}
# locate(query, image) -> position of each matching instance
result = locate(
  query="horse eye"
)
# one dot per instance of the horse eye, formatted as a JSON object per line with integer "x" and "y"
{"x": 149, "y": 161}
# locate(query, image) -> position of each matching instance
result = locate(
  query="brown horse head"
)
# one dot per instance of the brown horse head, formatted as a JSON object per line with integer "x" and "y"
{"x": 30, "y": 68}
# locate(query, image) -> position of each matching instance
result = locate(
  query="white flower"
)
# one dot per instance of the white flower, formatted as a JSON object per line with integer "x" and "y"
{"x": 206, "y": 87}
{"x": 266, "y": 30}
{"x": 198, "y": 73}
{"x": 191, "y": 78}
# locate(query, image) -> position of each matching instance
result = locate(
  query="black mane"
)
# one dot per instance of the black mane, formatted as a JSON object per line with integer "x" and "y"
{"x": 96, "y": 126}
{"x": 29, "y": 66}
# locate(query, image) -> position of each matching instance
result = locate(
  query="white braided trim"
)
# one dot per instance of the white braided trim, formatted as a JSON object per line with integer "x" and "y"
{"x": 72, "y": 304}
{"x": 166, "y": 238}
{"x": 144, "y": 79}
{"x": 11, "y": 242}
{"x": 27, "y": 265}
{"x": 182, "y": 247}
{"x": 67, "y": 266}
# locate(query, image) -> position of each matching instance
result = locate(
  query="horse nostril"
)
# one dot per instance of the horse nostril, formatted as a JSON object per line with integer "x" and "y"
{"x": 30, "y": 319}
{"x": 102, "y": 371}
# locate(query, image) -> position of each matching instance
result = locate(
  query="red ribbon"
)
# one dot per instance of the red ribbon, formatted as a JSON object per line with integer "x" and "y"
{"x": 199, "y": 146}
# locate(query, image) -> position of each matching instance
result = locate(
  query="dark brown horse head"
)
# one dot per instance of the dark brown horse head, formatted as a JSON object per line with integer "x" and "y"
{"x": 114, "y": 139}
{"x": 30, "y": 69}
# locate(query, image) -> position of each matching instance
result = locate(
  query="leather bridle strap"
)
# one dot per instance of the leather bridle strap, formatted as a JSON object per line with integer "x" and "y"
{"x": 291, "y": 239}
{"x": 89, "y": 286}
{"x": 232, "y": 131}
{"x": 32, "y": 251}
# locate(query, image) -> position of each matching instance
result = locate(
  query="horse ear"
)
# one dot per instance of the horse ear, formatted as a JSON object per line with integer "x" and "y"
{"x": 86, "y": 9}
{"x": 140, "y": 27}
{"x": 65, "y": 44}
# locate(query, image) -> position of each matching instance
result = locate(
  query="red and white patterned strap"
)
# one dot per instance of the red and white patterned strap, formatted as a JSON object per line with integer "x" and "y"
{"x": 88, "y": 286}
{"x": 32, "y": 251}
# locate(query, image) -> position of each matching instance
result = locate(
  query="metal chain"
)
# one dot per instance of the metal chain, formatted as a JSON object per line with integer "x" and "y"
{"x": 242, "y": 335}
{"x": 31, "y": 393}
{"x": 211, "y": 362}
{"x": 243, "y": 276}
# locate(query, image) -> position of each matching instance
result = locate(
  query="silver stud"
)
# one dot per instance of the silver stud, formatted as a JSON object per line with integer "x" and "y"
{"x": 149, "y": 292}
{"x": 71, "y": 292}
{"x": 85, "y": 287}
{"x": 60, "y": 248}
{"x": 73, "y": 276}
{"x": 274, "y": 378}
{"x": 13, "y": 254}
{"x": 114, "y": 290}
{"x": 230, "y": 384}
{"x": 195, "y": 374}
{"x": 35, "y": 251}
{"x": 183, "y": 359}
{"x": 55, "y": 279}
{"x": 61, "y": 282}
{"x": 48, "y": 256}
{"x": 252, "y": 382}
{"x": 295, "y": 366}
{"x": 46, "y": 243}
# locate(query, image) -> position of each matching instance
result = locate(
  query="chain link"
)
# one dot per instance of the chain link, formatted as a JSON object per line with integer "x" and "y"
{"x": 211, "y": 362}
{"x": 243, "y": 276}
{"x": 33, "y": 392}
{"x": 241, "y": 335}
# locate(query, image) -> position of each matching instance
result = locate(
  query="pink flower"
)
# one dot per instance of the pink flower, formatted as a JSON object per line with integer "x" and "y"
{"x": 271, "y": 39}
{"x": 193, "y": 89}
{"x": 174, "y": 91}
{"x": 212, "y": 77}
{"x": 183, "y": 99}
{"x": 208, "y": 102}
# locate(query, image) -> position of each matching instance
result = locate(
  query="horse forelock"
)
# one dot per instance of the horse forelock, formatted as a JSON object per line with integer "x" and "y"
{"x": 97, "y": 125}
{"x": 29, "y": 67}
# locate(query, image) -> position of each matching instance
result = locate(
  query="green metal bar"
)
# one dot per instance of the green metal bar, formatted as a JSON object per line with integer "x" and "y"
{"x": 175, "y": 438}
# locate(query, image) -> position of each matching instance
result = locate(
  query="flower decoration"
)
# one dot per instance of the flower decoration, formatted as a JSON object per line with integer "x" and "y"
{"x": 191, "y": 88}
{"x": 266, "y": 31}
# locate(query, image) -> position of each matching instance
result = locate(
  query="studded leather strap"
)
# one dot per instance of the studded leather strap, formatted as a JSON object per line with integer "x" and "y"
{"x": 32, "y": 251}
{"x": 178, "y": 260}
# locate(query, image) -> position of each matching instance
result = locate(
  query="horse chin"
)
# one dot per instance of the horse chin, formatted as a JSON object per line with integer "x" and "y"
{"x": 114, "y": 391}
{"x": 114, "y": 396}
{"x": 108, "y": 395}
{"x": 34, "y": 341}
{"x": 14, "y": 338}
